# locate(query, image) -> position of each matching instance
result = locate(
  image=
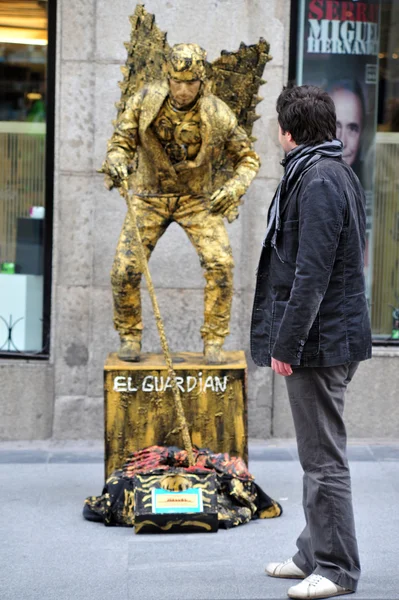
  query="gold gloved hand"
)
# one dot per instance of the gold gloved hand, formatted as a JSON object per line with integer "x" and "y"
{"x": 115, "y": 169}
{"x": 225, "y": 201}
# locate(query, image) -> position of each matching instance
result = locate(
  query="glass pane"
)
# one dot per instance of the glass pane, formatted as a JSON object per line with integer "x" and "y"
{"x": 352, "y": 50}
{"x": 338, "y": 51}
{"x": 23, "y": 60}
{"x": 385, "y": 296}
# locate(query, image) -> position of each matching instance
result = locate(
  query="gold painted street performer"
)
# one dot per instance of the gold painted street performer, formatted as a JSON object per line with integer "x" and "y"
{"x": 188, "y": 160}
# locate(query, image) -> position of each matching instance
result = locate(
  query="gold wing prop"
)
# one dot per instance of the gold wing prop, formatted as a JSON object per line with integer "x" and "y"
{"x": 146, "y": 53}
{"x": 236, "y": 78}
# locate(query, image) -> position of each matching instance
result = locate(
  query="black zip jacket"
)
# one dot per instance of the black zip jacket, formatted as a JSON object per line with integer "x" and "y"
{"x": 310, "y": 307}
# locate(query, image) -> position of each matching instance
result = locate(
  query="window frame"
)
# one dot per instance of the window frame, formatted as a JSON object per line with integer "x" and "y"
{"x": 44, "y": 353}
{"x": 292, "y": 77}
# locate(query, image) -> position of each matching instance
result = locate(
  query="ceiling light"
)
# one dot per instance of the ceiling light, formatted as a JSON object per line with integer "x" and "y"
{"x": 20, "y": 35}
{"x": 28, "y": 41}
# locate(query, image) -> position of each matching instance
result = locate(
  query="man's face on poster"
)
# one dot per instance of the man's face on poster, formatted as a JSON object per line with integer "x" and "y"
{"x": 349, "y": 111}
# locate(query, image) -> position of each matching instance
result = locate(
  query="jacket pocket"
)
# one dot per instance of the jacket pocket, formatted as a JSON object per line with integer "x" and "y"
{"x": 311, "y": 347}
{"x": 287, "y": 240}
{"x": 278, "y": 309}
{"x": 358, "y": 323}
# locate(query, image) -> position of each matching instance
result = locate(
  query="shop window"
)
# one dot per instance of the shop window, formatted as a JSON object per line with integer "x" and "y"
{"x": 25, "y": 178}
{"x": 351, "y": 49}
{"x": 385, "y": 290}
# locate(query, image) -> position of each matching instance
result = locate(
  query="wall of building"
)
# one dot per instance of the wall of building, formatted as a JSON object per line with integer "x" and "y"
{"x": 63, "y": 398}
{"x": 89, "y": 217}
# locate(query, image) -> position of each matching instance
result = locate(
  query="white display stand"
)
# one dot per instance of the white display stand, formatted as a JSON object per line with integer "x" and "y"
{"x": 22, "y": 296}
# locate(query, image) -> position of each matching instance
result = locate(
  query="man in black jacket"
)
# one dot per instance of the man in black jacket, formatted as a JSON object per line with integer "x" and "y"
{"x": 311, "y": 324}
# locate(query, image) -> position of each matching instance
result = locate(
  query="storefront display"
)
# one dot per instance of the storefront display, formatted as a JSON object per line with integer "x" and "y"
{"x": 23, "y": 130}
{"x": 339, "y": 47}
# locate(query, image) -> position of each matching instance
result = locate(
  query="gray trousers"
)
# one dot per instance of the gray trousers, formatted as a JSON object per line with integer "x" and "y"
{"x": 327, "y": 545}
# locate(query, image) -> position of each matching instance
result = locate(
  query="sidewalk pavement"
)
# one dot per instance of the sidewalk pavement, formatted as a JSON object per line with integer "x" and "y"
{"x": 49, "y": 552}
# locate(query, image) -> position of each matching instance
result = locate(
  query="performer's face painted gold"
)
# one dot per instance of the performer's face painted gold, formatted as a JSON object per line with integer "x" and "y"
{"x": 184, "y": 93}
{"x": 186, "y": 73}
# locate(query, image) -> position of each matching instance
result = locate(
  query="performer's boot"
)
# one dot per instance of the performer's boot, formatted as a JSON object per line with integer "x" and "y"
{"x": 213, "y": 353}
{"x": 130, "y": 349}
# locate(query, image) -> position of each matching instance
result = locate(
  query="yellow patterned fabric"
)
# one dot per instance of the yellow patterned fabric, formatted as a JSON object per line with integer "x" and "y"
{"x": 135, "y": 143}
{"x": 177, "y": 160}
{"x": 179, "y": 131}
{"x": 208, "y": 235}
{"x": 239, "y": 498}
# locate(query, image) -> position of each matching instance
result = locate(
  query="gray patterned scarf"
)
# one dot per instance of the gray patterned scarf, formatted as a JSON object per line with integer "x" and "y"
{"x": 296, "y": 164}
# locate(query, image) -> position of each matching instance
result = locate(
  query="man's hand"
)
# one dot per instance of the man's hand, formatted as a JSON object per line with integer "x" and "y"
{"x": 222, "y": 200}
{"x": 116, "y": 169}
{"x": 225, "y": 201}
{"x": 281, "y": 368}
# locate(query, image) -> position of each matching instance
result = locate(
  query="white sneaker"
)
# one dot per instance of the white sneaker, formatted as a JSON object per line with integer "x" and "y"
{"x": 286, "y": 569}
{"x": 316, "y": 586}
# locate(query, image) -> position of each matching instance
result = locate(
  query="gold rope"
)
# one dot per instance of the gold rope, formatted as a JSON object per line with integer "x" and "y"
{"x": 161, "y": 330}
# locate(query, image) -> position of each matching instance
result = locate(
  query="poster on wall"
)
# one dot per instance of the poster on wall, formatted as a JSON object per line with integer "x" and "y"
{"x": 338, "y": 45}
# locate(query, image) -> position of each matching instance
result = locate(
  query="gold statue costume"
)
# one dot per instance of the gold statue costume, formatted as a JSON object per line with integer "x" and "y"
{"x": 188, "y": 160}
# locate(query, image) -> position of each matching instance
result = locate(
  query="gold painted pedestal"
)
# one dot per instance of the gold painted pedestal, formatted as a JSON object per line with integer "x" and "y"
{"x": 140, "y": 412}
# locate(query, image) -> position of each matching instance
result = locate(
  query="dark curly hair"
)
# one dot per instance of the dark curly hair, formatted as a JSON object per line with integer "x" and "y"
{"x": 308, "y": 113}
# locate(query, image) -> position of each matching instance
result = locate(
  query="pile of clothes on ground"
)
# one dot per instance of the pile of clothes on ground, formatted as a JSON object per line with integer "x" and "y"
{"x": 239, "y": 498}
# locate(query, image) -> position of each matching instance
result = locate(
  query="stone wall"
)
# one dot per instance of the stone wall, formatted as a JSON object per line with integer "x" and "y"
{"x": 89, "y": 218}
{"x": 63, "y": 398}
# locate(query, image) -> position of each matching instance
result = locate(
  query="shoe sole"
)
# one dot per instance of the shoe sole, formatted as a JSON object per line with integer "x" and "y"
{"x": 129, "y": 359}
{"x": 284, "y": 576}
{"x": 343, "y": 593}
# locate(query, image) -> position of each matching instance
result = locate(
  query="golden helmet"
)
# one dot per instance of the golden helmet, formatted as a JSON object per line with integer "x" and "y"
{"x": 186, "y": 62}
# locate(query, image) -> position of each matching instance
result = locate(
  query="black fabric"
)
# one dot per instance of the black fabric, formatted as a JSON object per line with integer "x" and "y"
{"x": 310, "y": 307}
{"x": 239, "y": 498}
{"x": 296, "y": 164}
